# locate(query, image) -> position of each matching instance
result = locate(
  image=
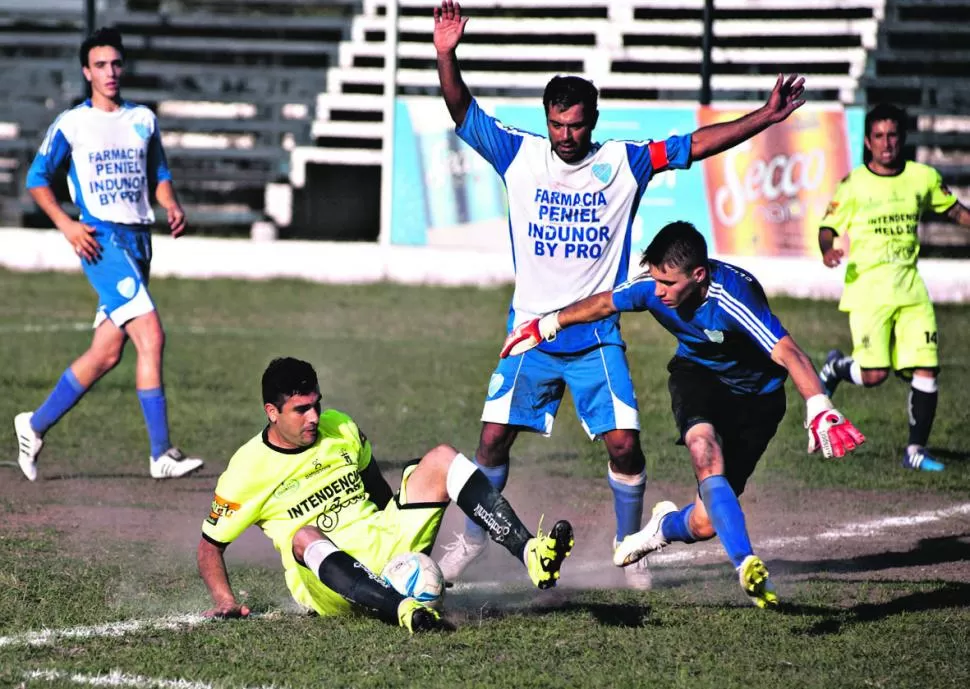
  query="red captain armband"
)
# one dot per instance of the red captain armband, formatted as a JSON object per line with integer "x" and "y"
{"x": 658, "y": 154}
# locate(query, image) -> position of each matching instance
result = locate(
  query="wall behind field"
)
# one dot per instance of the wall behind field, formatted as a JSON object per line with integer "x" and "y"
{"x": 340, "y": 262}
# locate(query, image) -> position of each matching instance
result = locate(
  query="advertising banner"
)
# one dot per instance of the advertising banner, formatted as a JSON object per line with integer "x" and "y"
{"x": 762, "y": 198}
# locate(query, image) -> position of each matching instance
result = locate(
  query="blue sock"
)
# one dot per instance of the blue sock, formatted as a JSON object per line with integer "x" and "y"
{"x": 725, "y": 512}
{"x": 156, "y": 419}
{"x": 675, "y": 527}
{"x": 64, "y": 396}
{"x": 498, "y": 477}
{"x": 627, "y": 504}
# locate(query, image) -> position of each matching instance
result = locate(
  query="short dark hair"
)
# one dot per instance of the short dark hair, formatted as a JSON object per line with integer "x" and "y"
{"x": 106, "y": 35}
{"x": 885, "y": 111}
{"x": 565, "y": 92}
{"x": 677, "y": 245}
{"x": 285, "y": 377}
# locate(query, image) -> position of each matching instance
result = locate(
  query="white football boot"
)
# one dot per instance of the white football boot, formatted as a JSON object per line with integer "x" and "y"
{"x": 637, "y": 575}
{"x": 460, "y": 553}
{"x": 29, "y": 444}
{"x": 636, "y": 546}
{"x": 173, "y": 464}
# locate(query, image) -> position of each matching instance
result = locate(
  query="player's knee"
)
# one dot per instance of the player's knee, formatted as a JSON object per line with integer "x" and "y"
{"x": 871, "y": 377}
{"x": 494, "y": 445}
{"x": 626, "y": 456}
{"x": 304, "y": 537}
{"x": 441, "y": 456}
{"x": 704, "y": 454}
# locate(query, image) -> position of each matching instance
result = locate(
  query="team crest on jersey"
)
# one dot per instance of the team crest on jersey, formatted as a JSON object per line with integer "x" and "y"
{"x": 142, "y": 130}
{"x": 286, "y": 488}
{"x": 221, "y": 508}
{"x": 495, "y": 383}
{"x": 716, "y": 336}
{"x": 602, "y": 171}
{"x": 126, "y": 287}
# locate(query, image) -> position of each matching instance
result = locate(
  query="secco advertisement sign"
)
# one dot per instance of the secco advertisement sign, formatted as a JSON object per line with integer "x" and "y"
{"x": 767, "y": 195}
{"x": 446, "y": 195}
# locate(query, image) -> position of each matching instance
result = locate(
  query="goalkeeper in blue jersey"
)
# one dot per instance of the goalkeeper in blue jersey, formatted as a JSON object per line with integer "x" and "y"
{"x": 726, "y": 386}
{"x": 113, "y": 151}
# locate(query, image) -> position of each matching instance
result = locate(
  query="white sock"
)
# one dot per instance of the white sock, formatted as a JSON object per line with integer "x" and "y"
{"x": 855, "y": 373}
{"x": 317, "y": 552}
{"x": 459, "y": 472}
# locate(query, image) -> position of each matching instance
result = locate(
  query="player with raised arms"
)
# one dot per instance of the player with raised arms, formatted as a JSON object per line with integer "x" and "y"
{"x": 571, "y": 208}
{"x": 115, "y": 155}
{"x": 727, "y": 389}
{"x": 310, "y": 482}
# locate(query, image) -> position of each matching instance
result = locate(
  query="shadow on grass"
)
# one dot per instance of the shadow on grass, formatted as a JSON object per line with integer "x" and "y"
{"x": 114, "y": 475}
{"x": 949, "y": 455}
{"x": 947, "y": 595}
{"x": 928, "y": 551}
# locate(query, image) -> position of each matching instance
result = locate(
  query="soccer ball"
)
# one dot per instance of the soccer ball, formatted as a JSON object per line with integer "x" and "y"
{"x": 415, "y": 575}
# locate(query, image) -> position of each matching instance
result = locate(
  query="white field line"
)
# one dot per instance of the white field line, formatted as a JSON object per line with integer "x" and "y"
{"x": 117, "y": 678}
{"x": 45, "y": 637}
{"x": 772, "y": 545}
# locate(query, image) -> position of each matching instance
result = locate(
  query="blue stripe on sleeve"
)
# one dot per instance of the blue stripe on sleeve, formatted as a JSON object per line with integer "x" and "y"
{"x": 678, "y": 152}
{"x": 157, "y": 170}
{"x": 636, "y": 295}
{"x": 51, "y": 155}
{"x": 495, "y": 142}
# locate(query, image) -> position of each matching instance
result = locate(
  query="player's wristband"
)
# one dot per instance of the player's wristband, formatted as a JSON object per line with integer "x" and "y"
{"x": 549, "y": 326}
{"x": 815, "y": 405}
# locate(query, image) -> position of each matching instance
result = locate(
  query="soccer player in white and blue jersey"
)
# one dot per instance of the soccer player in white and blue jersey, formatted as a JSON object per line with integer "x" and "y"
{"x": 571, "y": 207}
{"x": 726, "y": 384}
{"x": 113, "y": 150}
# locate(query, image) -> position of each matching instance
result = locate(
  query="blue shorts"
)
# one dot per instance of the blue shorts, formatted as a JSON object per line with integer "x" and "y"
{"x": 120, "y": 276}
{"x": 526, "y": 390}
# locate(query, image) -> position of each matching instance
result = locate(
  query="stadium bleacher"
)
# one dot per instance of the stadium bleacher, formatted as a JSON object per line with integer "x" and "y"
{"x": 920, "y": 62}
{"x": 283, "y": 99}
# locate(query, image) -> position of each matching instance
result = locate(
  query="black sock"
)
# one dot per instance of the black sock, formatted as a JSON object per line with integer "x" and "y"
{"x": 922, "y": 412}
{"x": 486, "y": 507}
{"x": 343, "y": 574}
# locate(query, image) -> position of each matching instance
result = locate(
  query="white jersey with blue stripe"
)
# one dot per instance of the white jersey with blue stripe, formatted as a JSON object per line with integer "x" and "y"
{"x": 116, "y": 160}
{"x": 569, "y": 223}
{"x": 732, "y": 332}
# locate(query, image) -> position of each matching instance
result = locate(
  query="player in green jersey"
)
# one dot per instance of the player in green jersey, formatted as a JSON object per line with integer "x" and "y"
{"x": 878, "y": 206}
{"x": 310, "y": 482}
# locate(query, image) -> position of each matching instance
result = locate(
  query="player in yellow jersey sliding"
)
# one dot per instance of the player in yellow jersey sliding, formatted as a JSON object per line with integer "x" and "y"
{"x": 878, "y": 205}
{"x": 310, "y": 482}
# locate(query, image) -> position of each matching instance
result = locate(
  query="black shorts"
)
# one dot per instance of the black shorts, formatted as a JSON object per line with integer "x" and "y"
{"x": 745, "y": 423}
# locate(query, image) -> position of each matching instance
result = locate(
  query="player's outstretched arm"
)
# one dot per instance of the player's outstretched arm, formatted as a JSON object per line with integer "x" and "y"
{"x": 449, "y": 26}
{"x": 785, "y": 98}
{"x": 530, "y": 334}
{"x": 828, "y": 429}
{"x": 212, "y": 568}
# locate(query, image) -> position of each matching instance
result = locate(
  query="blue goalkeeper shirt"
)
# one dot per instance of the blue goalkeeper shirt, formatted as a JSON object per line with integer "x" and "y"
{"x": 732, "y": 332}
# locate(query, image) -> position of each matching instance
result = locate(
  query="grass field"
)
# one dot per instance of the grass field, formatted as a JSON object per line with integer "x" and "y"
{"x": 873, "y": 562}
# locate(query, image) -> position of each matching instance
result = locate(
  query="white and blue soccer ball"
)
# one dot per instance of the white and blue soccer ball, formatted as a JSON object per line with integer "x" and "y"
{"x": 415, "y": 575}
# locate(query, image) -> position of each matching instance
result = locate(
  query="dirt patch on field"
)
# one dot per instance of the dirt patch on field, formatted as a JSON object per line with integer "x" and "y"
{"x": 802, "y": 534}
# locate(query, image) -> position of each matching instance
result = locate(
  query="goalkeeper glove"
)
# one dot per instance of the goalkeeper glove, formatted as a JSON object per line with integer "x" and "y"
{"x": 529, "y": 334}
{"x": 828, "y": 429}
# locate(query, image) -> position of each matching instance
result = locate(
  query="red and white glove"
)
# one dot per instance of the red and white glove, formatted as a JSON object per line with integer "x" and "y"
{"x": 529, "y": 334}
{"x": 828, "y": 429}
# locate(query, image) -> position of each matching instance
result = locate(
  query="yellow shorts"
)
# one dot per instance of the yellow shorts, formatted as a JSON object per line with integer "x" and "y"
{"x": 401, "y": 527}
{"x": 897, "y": 337}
